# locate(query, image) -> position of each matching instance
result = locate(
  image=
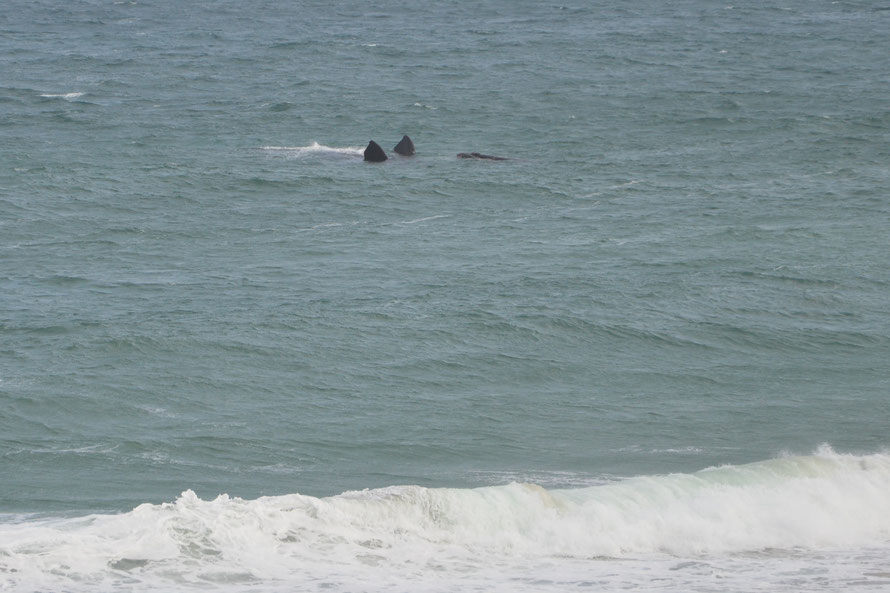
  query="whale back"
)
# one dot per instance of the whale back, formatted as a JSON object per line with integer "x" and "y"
{"x": 477, "y": 155}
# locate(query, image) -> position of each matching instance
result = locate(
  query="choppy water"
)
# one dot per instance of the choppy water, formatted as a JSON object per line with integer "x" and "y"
{"x": 650, "y": 351}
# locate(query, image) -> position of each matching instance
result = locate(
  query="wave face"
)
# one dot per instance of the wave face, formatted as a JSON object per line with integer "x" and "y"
{"x": 742, "y": 520}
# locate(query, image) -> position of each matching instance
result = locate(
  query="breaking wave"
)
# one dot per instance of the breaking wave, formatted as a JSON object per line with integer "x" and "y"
{"x": 822, "y": 501}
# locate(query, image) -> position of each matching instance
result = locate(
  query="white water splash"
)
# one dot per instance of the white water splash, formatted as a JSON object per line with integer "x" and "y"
{"x": 316, "y": 148}
{"x": 66, "y": 96}
{"x": 747, "y": 520}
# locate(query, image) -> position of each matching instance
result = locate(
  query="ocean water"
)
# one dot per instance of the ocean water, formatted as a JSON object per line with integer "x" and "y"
{"x": 648, "y": 352}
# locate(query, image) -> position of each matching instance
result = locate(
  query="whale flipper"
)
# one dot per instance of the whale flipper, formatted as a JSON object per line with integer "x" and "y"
{"x": 477, "y": 155}
{"x": 405, "y": 147}
{"x": 374, "y": 153}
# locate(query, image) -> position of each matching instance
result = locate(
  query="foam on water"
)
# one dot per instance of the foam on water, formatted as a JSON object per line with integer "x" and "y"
{"x": 68, "y": 96}
{"x": 316, "y": 148}
{"x": 749, "y": 517}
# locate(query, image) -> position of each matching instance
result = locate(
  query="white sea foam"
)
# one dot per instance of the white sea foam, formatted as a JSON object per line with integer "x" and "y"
{"x": 68, "y": 96}
{"x": 316, "y": 148}
{"x": 743, "y": 522}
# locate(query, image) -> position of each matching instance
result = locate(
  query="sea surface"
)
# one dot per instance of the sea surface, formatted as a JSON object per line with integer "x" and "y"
{"x": 650, "y": 352}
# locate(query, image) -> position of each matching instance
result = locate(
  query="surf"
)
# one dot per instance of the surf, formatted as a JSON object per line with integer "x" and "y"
{"x": 822, "y": 501}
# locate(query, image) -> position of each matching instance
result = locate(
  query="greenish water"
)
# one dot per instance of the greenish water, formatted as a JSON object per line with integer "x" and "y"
{"x": 204, "y": 288}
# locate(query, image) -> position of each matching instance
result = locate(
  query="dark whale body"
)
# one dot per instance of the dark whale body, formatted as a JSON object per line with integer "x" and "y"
{"x": 405, "y": 147}
{"x": 374, "y": 154}
{"x": 478, "y": 155}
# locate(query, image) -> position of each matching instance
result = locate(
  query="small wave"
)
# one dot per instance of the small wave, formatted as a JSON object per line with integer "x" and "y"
{"x": 282, "y": 106}
{"x": 548, "y": 479}
{"x": 328, "y": 225}
{"x": 98, "y": 449}
{"x": 630, "y": 183}
{"x": 290, "y": 44}
{"x": 689, "y": 450}
{"x": 424, "y": 219}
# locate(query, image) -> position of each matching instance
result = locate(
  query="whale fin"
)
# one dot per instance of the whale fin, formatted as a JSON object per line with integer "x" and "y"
{"x": 374, "y": 153}
{"x": 405, "y": 147}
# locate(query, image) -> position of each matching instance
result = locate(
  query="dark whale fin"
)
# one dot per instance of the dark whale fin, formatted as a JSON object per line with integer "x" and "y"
{"x": 374, "y": 153}
{"x": 405, "y": 147}
{"x": 477, "y": 155}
